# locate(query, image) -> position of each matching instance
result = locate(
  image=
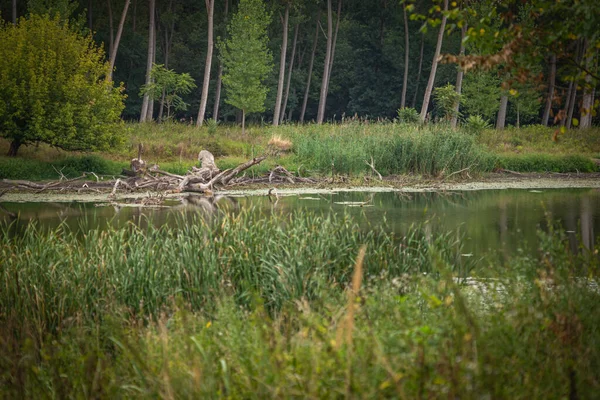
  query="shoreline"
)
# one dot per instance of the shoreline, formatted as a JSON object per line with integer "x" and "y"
{"x": 406, "y": 184}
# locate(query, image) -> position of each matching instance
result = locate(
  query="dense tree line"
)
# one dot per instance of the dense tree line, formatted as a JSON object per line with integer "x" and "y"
{"x": 335, "y": 59}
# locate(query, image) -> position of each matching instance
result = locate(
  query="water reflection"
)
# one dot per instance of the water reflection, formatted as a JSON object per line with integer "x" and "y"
{"x": 503, "y": 221}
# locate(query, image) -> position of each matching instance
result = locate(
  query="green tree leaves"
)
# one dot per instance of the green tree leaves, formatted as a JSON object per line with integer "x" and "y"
{"x": 246, "y": 57}
{"x": 53, "y": 88}
{"x": 171, "y": 84}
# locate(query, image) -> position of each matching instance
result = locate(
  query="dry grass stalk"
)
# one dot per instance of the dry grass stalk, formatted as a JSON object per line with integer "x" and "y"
{"x": 344, "y": 332}
{"x": 280, "y": 143}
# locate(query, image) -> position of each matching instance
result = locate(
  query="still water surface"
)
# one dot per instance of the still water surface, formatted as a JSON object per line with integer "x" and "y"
{"x": 499, "y": 221}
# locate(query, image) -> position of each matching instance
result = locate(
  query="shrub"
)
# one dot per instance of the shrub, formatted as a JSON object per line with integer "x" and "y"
{"x": 475, "y": 124}
{"x": 446, "y": 100}
{"x": 408, "y": 115}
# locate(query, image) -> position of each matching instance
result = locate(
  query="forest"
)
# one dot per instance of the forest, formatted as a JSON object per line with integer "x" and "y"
{"x": 521, "y": 69}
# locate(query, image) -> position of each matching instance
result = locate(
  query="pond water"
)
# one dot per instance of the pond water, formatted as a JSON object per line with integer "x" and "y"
{"x": 500, "y": 221}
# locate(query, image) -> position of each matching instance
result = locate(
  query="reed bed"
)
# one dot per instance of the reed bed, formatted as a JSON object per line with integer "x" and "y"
{"x": 393, "y": 149}
{"x": 291, "y": 306}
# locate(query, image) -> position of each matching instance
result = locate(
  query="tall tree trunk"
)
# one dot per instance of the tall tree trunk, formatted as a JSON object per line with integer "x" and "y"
{"x": 14, "y": 148}
{"x": 434, "y": 64}
{"x": 563, "y": 121}
{"x": 335, "y": 35}
{"x": 310, "y": 68}
{"x": 14, "y": 12}
{"x": 501, "y": 120}
{"x": 284, "y": 22}
{"x": 289, "y": 73}
{"x": 210, "y": 8}
{"x": 587, "y": 104}
{"x": 551, "y": 84}
{"x": 113, "y": 54}
{"x": 414, "y": 100}
{"x": 150, "y": 112}
{"x": 572, "y": 101}
{"x": 169, "y": 32}
{"x": 219, "y": 77}
{"x": 89, "y": 14}
{"x": 146, "y": 101}
{"x": 243, "y": 122}
{"x": 406, "y": 58}
{"x": 459, "y": 77}
{"x": 324, "y": 83}
{"x": 218, "y": 92}
{"x": 573, "y": 97}
{"x": 110, "y": 27}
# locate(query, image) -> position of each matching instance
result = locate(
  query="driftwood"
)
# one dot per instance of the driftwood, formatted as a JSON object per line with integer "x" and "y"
{"x": 141, "y": 177}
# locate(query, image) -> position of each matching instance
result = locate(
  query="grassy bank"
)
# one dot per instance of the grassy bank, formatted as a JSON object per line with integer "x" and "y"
{"x": 433, "y": 151}
{"x": 254, "y": 307}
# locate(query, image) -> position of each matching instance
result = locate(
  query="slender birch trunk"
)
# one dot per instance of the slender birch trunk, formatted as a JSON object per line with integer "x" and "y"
{"x": 284, "y": 22}
{"x": 573, "y": 97}
{"x": 414, "y": 100}
{"x": 335, "y": 35}
{"x": 14, "y": 12}
{"x": 150, "y": 112}
{"x": 548, "y": 108}
{"x": 501, "y": 120}
{"x": 168, "y": 44}
{"x": 324, "y": 83}
{"x": 563, "y": 121}
{"x": 459, "y": 77}
{"x": 572, "y": 101}
{"x": 289, "y": 73}
{"x": 406, "y": 58}
{"x": 210, "y": 8}
{"x": 438, "y": 49}
{"x": 113, "y": 54}
{"x": 219, "y": 77}
{"x": 310, "y": 68}
{"x": 585, "y": 121}
{"x": 243, "y": 122}
{"x": 146, "y": 101}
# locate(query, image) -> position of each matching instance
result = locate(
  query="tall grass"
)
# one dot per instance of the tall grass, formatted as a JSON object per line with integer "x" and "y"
{"x": 527, "y": 329}
{"x": 52, "y": 275}
{"x": 433, "y": 150}
{"x": 70, "y": 167}
{"x": 394, "y": 148}
{"x": 547, "y": 163}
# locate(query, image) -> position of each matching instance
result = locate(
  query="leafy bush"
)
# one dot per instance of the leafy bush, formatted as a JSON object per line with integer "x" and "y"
{"x": 408, "y": 115}
{"x": 446, "y": 99}
{"x": 476, "y": 124}
{"x": 54, "y": 89}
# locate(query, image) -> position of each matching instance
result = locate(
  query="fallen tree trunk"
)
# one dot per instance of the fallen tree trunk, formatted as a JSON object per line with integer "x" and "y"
{"x": 203, "y": 179}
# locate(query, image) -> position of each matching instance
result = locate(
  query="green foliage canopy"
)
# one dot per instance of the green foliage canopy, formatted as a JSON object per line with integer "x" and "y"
{"x": 446, "y": 99}
{"x": 53, "y": 87}
{"x": 246, "y": 57}
{"x": 481, "y": 94}
{"x": 171, "y": 84}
